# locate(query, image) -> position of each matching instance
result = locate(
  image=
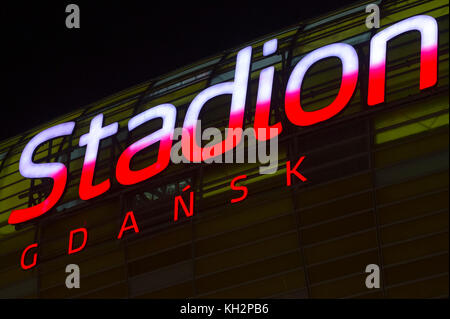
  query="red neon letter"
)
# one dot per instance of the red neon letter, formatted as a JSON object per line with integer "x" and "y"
{"x": 290, "y": 171}
{"x": 22, "y": 259}
{"x": 349, "y": 58}
{"x": 179, "y": 199}
{"x": 79, "y": 230}
{"x": 55, "y": 171}
{"x": 133, "y": 224}
{"x": 92, "y": 142}
{"x": 238, "y": 188}
{"x": 168, "y": 113}
{"x": 428, "y": 28}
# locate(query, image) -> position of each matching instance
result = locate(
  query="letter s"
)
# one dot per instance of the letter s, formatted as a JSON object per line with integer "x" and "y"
{"x": 244, "y": 189}
{"x": 55, "y": 171}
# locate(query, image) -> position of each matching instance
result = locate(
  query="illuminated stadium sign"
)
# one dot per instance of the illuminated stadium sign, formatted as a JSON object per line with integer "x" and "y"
{"x": 426, "y": 25}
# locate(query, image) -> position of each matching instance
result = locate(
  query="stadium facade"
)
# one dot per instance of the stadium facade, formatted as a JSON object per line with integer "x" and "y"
{"x": 376, "y": 189}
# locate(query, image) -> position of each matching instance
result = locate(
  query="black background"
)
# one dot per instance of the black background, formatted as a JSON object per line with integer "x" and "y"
{"x": 49, "y": 70}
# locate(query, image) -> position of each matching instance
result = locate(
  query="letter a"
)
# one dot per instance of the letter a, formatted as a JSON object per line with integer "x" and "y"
{"x": 73, "y": 279}
{"x": 73, "y": 19}
{"x": 373, "y": 280}
{"x": 133, "y": 224}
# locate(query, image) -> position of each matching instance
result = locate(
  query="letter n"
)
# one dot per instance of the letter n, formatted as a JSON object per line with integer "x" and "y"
{"x": 428, "y": 28}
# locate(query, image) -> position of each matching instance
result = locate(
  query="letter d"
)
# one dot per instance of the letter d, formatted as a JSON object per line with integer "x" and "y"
{"x": 79, "y": 230}
{"x": 238, "y": 90}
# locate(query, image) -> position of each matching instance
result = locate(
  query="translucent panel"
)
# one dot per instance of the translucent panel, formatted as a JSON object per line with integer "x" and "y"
{"x": 307, "y": 42}
{"x": 417, "y": 167}
{"x": 417, "y": 269}
{"x": 184, "y": 290}
{"x": 410, "y": 148}
{"x": 11, "y": 240}
{"x": 15, "y": 276}
{"x": 248, "y": 272}
{"x": 111, "y": 101}
{"x": 432, "y": 222}
{"x": 428, "y": 287}
{"x": 161, "y": 278}
{"x": 338, "y": 16}
{"x": 175, "y": 95}
{"x": 413, "y": 187}
{"x": 183, "y": 83}
{"x": 160, "y": 260}
{"x": 246, "y": 254}
{"x": 435, "y": 201}
{"x": 20, "y": 289}
{"x": 280, "y": 36}
{"x": 63, "y": 119}
{"x": 342, "y": 287}
{"x": 248, "y": 214}
{"x": 346, "y": 245}
{"x": 267, "y": 287}
{"x": 271, "y": 227}
{"x": 345, "y": 266}
{"x": 109, "y": 292}
{"x": 335, "y": 189}
{"x": 412, "y": 128}
{"x": 415, "y": 249}
{"x": 188, "y": 71}
{"x": 335, "y": 208}
{"x": 405, "y": 9}
{"x": 7, "y": 144}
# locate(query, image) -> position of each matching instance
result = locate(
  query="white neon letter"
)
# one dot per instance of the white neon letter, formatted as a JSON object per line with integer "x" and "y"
{"x": 428, "y": 28}
{"x": 55, "y": 171}
{"x": 349, "y": 58}
{"x": 238, "y": 90}
{"x": 264, "y": 98}
{"x": 92, "y": 142}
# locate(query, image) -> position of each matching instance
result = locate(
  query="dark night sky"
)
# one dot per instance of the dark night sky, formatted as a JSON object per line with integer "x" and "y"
{"x": 49, "y": 70}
